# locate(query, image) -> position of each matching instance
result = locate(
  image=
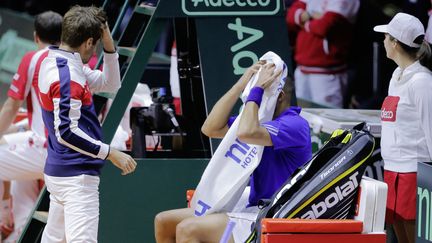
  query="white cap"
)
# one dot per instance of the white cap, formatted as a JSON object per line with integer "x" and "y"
{"x": 404, "y": 27}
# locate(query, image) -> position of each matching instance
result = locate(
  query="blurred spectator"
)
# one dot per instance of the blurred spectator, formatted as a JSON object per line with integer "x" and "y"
{"x": 288, "y": 3}
{"x": 23, "y": 154}
{"x": 428, "y": 35}
{"x": 418, "y": 8}
{"x": 324, "y": 34}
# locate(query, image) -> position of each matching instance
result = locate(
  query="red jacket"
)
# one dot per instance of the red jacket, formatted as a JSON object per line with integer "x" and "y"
{"x": 322, "y": 45}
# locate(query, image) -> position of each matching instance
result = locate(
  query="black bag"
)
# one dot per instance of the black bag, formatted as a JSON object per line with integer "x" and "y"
{"x": 327, "y": 186}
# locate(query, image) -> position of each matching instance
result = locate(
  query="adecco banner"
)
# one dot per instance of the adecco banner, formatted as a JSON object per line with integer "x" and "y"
{"x": 228, "y": 46}
{"x": 230, "y": 7}
{"x": 424, "y": 200}
{"x": 206, "y": 8}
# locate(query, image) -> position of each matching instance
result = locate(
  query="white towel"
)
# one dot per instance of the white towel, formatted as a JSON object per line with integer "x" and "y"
{"x": 228, "y": 172}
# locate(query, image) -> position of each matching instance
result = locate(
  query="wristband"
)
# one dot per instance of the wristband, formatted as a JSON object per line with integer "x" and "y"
{"x": 109, "y": 150}
{"x": 110, "y": 52}
{"x": 255, "y": 95}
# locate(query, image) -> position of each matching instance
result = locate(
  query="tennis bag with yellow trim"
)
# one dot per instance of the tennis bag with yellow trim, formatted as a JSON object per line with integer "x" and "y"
{"x": 325, "y": 187}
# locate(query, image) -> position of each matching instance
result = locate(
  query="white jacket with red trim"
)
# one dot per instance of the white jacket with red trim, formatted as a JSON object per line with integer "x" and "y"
{"x": 24, "y": 86}
{"x": 322, "y": 44}
{"x": 406, "y": 116}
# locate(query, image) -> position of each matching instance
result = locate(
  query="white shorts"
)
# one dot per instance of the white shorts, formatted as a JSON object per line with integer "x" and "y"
{"x": 325, "y": 89}
{"x": 22, "y": 161}
{"x": 243, "y": 217}
{"x": 23, "y": 157}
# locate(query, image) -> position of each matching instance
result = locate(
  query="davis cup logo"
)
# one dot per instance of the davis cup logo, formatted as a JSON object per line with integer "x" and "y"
{"x": 389, "y": 108}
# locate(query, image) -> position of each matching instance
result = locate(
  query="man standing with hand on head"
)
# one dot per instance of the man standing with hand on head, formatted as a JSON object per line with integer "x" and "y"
{"x": 75, "y": 151}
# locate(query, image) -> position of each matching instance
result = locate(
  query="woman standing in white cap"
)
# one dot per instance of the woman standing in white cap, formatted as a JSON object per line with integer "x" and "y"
{"x": 406, "y": 119}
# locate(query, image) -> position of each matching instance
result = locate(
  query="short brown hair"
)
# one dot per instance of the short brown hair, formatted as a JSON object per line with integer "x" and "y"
{"x": 82, "y": 23}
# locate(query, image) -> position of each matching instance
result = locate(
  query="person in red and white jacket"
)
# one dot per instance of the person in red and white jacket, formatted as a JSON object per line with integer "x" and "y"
{"x": 406, "y": 119}
{"x": 22, "y": 154}
{"x": 76, "y": 153}
{"x": 324, "y": 33}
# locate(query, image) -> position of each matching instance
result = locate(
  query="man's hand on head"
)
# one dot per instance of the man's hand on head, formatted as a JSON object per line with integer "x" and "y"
{"x": 267, "y": 75}
{"x": 247, "y": 75}
{"x": 107, "y": 41}
{"x": 105, "y": 27}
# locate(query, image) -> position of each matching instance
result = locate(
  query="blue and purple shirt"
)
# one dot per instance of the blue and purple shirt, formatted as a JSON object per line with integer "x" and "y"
{"x": 291, "y": 149}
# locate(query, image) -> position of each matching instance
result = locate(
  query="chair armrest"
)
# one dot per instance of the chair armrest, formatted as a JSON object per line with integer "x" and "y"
{"x": 189, "y": 195}
{"x": 311, "y": 226}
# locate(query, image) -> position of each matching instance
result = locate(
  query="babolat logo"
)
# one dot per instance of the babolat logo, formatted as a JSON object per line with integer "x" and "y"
{"x": 241, "y": 153}
{"x": 340, "y": 192}
{"x": 231, "y": 7}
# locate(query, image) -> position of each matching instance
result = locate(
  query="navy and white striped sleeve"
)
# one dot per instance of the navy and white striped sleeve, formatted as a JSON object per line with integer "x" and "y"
{"x": 68, "y": 97}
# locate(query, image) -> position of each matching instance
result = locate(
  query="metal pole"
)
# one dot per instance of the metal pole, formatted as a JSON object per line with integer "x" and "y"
{"x": 375, "y": 68}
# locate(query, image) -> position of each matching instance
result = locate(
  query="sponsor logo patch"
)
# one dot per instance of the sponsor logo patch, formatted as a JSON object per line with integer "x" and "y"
{"x": 389, "y": 108}
{"x": 14, "y": 88}
{"x": 241, "y": 153}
